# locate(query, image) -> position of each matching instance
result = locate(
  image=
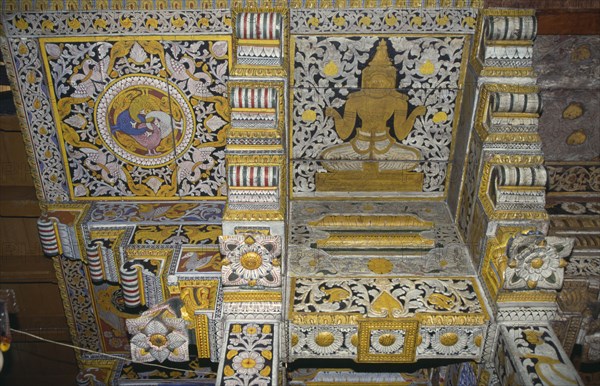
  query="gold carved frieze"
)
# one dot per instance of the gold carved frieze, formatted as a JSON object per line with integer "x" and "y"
{"x": 312, "y": 300}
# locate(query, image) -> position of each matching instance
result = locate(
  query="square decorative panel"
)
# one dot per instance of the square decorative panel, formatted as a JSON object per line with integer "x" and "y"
{"x": 140, "y": 117}
{"x": 388, "y": 340}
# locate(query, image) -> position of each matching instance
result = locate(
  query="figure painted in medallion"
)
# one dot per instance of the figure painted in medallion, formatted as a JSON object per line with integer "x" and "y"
{"x": 145, "y": 116}
{"x": 374, "y": 105}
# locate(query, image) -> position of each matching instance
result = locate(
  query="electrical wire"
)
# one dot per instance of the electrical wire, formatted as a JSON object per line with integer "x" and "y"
{"x": 96, "y": 352}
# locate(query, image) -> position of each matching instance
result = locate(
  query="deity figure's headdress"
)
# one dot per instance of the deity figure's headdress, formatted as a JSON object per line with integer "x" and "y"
{"x": 381, "y": 64}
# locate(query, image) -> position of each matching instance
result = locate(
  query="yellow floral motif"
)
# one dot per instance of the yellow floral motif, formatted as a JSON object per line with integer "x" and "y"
{"x": 309, "y": 116}
{"x": 577, "y": 137}
{"x": 391, "y": 20}
{"x": 324, "y": 338}
{"x": 417, "y": 20}
{"x": 427, "y": 68}
{"x": 386, "y": 303}
{"x": 100, "y": 24}
{"x": 203, "y": 22}
{"x": 266, "y": 371}
{"x": 573, "y": 111}
{"x": 339, "y": 21}
{"x": 177, "y": 22}
{"x": 31, "y": 77}
{"x": 21, "y": 24}
{"x": 74, "y": 23}
{"x": 469, "y": 21}
{"x": 313, "y": 22}
{"x": 267, "y": 354}
{"x": 581, "y": 53}
{"x": 126, "y": 22}
{"x": 440, "y": 117}
{"x": 380, "y": 266}
{"x": 228, "y": 371}
{"x": 151, "y": 23}
{"x": 48, "y": 25}
{"x": 365, "y": 21}
{"x": 449, "y": 339}
{"x": 442, "y": 20}
{"x": 331, "y": 69}
{"x": 23, "y": 50}
{"x": 387, "y": 340}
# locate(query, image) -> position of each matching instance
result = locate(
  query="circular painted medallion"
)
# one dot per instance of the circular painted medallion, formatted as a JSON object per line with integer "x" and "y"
{"x": 144, "y": 120}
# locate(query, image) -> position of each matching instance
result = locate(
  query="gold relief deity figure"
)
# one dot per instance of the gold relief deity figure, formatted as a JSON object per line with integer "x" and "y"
{"x": 374, "y": 105}
{"x": 375, "y": 143}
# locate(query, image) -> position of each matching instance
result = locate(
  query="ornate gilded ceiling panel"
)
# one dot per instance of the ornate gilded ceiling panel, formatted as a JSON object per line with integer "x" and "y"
{"x": 392, "y": 134}
{"x": 140, "y": 118}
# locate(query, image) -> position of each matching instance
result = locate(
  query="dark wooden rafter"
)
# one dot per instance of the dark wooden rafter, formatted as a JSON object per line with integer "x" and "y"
{"x": 559, "y": 17}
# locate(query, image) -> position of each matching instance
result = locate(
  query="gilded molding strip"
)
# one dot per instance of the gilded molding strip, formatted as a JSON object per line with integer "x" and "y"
{"x": 367, "y": 241}
{"x": 347, "y": 222}
{"x": 251, "y": 296}
{"x": 202, "y": 336}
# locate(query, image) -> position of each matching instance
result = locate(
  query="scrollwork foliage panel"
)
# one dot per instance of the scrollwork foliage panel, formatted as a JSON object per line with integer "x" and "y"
{"x": 329, "y": 70}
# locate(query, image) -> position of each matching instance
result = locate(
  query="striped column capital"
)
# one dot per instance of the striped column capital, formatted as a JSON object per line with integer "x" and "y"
{"x": 253, "y": 98}
{"x": 511, "y": 27}
{"x": 263, "y": 26}
{"x": 506, "y": 175}
{"x": 253, "y": 176}
{"x": 505, "y": 102}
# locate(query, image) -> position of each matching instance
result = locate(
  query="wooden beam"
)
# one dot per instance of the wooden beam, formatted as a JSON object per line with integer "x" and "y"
{"x": 575, "y": 22}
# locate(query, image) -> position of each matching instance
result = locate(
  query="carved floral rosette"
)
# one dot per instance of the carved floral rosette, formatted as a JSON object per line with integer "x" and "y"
{"x": 536, "y": 261}
{"x": 251, "y": 260}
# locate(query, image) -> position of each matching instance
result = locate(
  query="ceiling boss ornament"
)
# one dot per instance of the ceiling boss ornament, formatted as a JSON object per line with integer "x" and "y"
{"x": 536, "y": 262}
{"x": 251, "y": 260}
